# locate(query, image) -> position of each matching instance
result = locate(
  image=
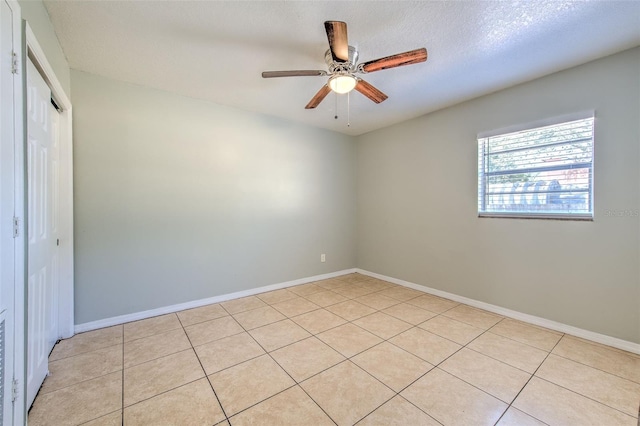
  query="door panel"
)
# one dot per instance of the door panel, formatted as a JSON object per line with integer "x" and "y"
{"x": 42, "y": 161}
{"x": 51, "y": 325}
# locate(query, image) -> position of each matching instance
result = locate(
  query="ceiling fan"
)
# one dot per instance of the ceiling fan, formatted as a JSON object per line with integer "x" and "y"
{"x": 342, "y": 61}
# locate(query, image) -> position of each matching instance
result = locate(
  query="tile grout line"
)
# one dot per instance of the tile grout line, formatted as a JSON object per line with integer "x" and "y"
{"x": 498, "y": 360}
{"x": 160, "y": 357}
{"x": 152, "y": 334}
{"x": 549, "y": 353}
{"x": 312, "y": 335}
{"x": 502, "y": 362}
{"x": 603, "y": 346}
{"x": 76, "y": 383}
{"x": 397, "y": 394}
{"x": 302, "y": 388}
{"x": 82, "y": 353}
{"x": 314, "y": 401}
{"x": 584, "y": 396}
{"x": 313, "y": 310}
{"x": 104, "y": 415}
{"x": 526, "y": 384}
{"x": 364, "y": 350}
{"x": 175, "y": 387}
{"x": 40, "y": 393}
{"x": 224, "y": 412}
{"x": 452, "y": 354}
{"x": 402, "y": 349}
{"x": 155, "y": 359}
{"x": 165, "y": 392}
{"x": 298, "y": 384}
{"x": 518, "y": 341}
{"x": 282, "y": 368}
{"x": 595, "y": 368}
{"x": 437, "y": 366}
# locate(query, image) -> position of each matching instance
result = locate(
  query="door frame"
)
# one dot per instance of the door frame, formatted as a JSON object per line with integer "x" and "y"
{"x": 66, "y": 276}
{"x": 25, "y": 44}
{"x": 15, "y": 369}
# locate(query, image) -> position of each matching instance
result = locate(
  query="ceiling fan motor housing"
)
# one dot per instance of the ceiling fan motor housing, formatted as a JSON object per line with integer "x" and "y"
{"x": 335, "y": 67}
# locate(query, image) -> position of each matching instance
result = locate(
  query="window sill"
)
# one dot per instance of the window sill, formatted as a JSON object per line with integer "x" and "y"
{"x": 546, "y": 216}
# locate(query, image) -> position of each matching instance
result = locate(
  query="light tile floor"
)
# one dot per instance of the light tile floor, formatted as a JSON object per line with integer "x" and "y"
{"x": 342, "y": 351}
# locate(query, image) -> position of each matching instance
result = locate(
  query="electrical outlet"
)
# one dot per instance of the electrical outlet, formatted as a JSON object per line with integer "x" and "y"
{"x": 323, "y": 258}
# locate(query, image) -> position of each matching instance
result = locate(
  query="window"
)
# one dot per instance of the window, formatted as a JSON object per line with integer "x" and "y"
{"x": 539, "y": 172}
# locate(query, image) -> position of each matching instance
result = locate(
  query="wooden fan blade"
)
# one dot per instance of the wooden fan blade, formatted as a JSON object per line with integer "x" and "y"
{"x": 370, "y": 92}
{"x": 337, "y": 36}
{"x": 322, "y": 93}
{"x": 406, "y": 58}
{"x": 293, "y": 73}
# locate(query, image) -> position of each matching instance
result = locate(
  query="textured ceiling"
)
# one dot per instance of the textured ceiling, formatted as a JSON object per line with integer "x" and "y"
{"x": 216, "y": 50}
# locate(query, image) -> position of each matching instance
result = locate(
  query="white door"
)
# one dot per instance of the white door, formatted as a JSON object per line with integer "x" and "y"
{"x": 42, "y": 206}
{"x": 7, "y": 252}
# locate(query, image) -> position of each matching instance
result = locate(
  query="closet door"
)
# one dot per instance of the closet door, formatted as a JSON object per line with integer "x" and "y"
{"x": 42, "y": 207}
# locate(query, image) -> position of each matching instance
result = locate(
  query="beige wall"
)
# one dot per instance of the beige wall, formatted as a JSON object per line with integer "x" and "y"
{"x": 178, "y": 199}
{"x": 417, "y": 205}
{"x": 34, "y": 12}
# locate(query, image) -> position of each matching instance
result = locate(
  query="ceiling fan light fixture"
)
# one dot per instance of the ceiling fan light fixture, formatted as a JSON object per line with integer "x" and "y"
{"x": 342, "y": 64}
{"x": 342, "y": 83}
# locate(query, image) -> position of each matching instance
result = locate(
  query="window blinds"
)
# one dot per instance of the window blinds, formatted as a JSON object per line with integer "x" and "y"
{"x": 541, "y": 172}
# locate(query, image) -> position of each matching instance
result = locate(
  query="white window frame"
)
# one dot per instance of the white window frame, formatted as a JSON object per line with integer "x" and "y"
{"x": 531, "y": 126}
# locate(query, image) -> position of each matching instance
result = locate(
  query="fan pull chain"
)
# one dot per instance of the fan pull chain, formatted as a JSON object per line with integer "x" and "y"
{"x": 348, "y": 109}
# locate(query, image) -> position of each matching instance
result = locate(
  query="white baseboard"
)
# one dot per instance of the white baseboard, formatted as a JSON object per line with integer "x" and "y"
{"x": 532, "y": 319}
{"x": 121, "y": 319}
